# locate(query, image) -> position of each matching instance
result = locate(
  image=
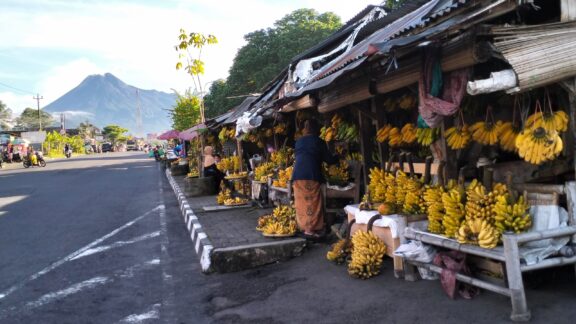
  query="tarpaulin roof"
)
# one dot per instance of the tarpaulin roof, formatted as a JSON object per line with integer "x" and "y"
{"x": 191, "y": 133}
{"x": 168, "y": 135}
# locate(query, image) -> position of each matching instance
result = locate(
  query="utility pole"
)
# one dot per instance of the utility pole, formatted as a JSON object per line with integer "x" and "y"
{"x": 37, "y": 98}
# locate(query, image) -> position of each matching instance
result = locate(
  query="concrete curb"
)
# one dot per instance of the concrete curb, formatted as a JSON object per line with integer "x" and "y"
{"x": 202, "y": 244}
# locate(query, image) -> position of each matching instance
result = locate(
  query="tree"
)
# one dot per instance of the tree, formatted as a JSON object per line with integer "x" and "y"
{"x": 267, "y": 53}
{"x": 29, "y": 119}
{"x": 114, "y": 133}
{"x": 186, "y": 112}
{"x": 5, "y": 116}
{"x": 217, "y": 101}
{"x": 86, "y": 130}
{"x": 190, "y": 59}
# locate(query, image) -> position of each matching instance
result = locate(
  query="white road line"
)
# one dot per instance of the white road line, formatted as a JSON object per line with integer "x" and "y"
{"x": 153, "y": 313}
{"x": 115, "y": 245}
{"x": 168, "y": 298}
{"x": 48, "y": 298}
{"x": 60, "y": 262}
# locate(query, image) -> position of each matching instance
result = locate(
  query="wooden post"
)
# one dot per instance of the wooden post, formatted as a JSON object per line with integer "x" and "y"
{"x": 367, "y": 134}
{"x": 568, "y": 13}
{"x": 520, "y": 310}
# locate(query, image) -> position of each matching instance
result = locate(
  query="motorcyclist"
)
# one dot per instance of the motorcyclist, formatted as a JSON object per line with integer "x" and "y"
{"x": 32, "y": 156}
{"x": 67, "y": 149}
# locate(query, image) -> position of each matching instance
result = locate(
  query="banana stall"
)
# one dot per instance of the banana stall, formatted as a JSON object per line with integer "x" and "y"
{"x": 459, "y": 118}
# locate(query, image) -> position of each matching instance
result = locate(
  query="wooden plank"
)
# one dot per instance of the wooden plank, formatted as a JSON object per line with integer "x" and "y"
{"x": 301, "y": 103}
{"x": 419, "y": 168}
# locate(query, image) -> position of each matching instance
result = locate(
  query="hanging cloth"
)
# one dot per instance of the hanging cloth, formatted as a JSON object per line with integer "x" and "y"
{"x": 432, "y": 108}
{"x": 454, "y": 262}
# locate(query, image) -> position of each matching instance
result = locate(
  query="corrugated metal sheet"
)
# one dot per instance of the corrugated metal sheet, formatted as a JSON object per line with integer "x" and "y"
{"x": 239, "y": 110}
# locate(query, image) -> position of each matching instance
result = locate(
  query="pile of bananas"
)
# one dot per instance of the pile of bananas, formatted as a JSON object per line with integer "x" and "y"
{"x": 508, "y": 133}
{"x": 414, "y": 199}
{"x": 337, "y": 173}
{"x": 539, "y": 145}
{"x": 280, "y": 129}
{"x": 226, "y": 133}
{"x": 263, "y": 171}
{"x": 230, "y": 164}
{"x": 377, "y": 185}
{"x": 339, "y": 251}
{"x": 383, "y": 133}
{"x": 478, "y": 232}
{"x": 237, "y": 175}
{"x": 235, "y": 201}
{"x": 455, "y": 212}
{"x": 283, "y": 157}
{"x": 367, "y": 254}
{"x": 339, "y": 130}
{"x": 512, "y": 216}
{"x": 434, "y": 208}
{"x": 193, "y": 173}
{"x": 223, "y": 196}
{"x": 282, "y": 221}
{"x": 486, "y": 133}
{"x": 427, "y": 136}
{"x": 283, "y": 177}
{"x": 458, "y": 137}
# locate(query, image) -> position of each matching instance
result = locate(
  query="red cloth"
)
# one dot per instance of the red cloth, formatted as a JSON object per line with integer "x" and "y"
{"x": 433, "y": 109}
{"x": 454, "y": 262}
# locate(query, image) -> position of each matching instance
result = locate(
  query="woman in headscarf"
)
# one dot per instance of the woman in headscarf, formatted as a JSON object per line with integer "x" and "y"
{"x": 307, "y": 178}
{"x": 210, "y": 169}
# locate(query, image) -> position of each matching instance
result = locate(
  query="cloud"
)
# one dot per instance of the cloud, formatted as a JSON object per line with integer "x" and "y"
{"x": 17, "y": 102}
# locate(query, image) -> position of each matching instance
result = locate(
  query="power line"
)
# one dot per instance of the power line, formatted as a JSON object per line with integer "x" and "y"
{"x": 14, "y": 88}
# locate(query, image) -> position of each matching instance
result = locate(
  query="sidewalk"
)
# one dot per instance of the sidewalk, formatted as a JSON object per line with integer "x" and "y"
{"x": 227, "y": 240}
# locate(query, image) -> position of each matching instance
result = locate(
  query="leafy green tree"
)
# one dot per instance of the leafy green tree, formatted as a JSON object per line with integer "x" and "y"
{"x": 186, "y": 112}
{"x": 267, "y": 53}
{"x": 114, "y": 133}
{"x": 29, "y": 119}
{"x": 5, "y": 116}
{"x": 393, "y": 4}
{"x": 218, "y": 100}
{"x": 189, "y": 51}
{"x": 86, "y": 129}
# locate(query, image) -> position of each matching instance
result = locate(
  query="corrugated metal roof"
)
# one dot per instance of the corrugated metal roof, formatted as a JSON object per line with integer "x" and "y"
{"x": 239, "y": 110}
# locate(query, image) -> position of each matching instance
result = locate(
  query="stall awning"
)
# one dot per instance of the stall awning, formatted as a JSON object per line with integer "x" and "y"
{"x": 171, "y": 134}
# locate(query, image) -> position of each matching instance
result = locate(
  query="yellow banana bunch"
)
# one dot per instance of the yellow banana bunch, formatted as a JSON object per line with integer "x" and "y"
{"x": 408, "y": 132}
{"x": 539, "y": 145}
{"x": 390, "y": 195}
{"x": 414, "y": 200}
{"x": 407, "y": 102}
{"x": 280, "y": 129}
{"x": 336, "y": 120}
{"x": 263, "y": 221}
{"x": 551, "y": 121}
{"x": 337, "y": 173}
{"x": 281, "y": 221}
{"x": 512, "y": 216}
{"x": 401, "y": 184}
{"x": 282, "y": 157}
{"x": 434, "y": 208}
{"x": 478, "y": 232}
{"x": 508, "y": 133}
{"x": 339, "y": 251}
{"x": 327, "y": 133}
{"x": 394, "y": 137}
{"x": 367, "y": 254}
{"x": 452, "y": 201}
{"x": 458, "y": 137}
{"x": 283, "y": 177}
{"x": 223, "y": 196}
{"x": 383, "y": 133}
{"x": 426, "y": 136}
{"x": 486, "y": 133}
{"x": 263, "y": 170}
{"x": 377, "y": 185}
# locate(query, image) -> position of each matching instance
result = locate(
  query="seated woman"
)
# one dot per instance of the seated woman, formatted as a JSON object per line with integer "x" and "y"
{"x": 210, "y": 169}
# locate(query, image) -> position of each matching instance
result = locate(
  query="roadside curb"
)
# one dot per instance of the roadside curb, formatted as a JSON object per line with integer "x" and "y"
{"x": 202, "y": 244}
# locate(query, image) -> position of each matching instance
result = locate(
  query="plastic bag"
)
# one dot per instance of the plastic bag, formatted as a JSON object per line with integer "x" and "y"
{"x": 545, "y": 217}
{"x": 418, "y": 251}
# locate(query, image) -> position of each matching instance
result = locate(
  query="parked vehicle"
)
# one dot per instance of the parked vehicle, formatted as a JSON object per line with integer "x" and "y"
{"x": 107, "y": 147}
{"x": 39, "y": 157}
{"x": 131, "y": 146}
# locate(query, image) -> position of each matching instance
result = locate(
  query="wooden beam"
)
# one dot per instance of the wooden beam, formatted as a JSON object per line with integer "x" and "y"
{"x": 301, "y": 103}
{"x": 568, "y": 13}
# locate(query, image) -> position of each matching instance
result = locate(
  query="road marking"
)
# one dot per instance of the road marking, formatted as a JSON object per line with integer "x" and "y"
{"x": 168, "y": 298}
{"x": 153, "y": 313}
{"x": 5, "y": 201}
{"x": 48, "y": 298}
{"x": 118, "y": 168}
{"x": 60, "y": 262}
{"x": 115, "y": 245}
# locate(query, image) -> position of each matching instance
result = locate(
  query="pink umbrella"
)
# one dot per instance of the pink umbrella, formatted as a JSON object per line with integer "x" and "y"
{"x": 188, "y": 135}
{"x": 168, "y": 135}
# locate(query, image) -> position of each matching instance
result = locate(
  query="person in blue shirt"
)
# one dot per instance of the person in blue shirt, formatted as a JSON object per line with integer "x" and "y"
{"x": 310, "y": 152}
{"x": 178, "y": 149}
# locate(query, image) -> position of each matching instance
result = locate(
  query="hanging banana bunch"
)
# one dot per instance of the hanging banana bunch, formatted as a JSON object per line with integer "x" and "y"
{"x": 458, "y": 137}
{"x": 426, "y": 136}
{"x": 539, "y": 145}
{"x": 486, "y": 132}
{"x": 383, "y": 133}
{"x": 547, "y": 118}
{"x": 395, "y": 137}
{"x": 408, "y": 132}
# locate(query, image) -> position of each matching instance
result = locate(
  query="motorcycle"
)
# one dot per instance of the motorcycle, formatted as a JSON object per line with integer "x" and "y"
{"x": 39, "y": 157}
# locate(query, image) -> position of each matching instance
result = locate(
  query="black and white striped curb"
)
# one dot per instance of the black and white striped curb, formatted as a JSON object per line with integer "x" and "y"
{"x": 202, "y": 244}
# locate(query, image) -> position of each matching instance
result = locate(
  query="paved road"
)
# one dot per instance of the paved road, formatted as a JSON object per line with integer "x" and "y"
{"x": 100, "y": 240}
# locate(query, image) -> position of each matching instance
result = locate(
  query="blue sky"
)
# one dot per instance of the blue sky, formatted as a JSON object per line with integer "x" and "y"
{"x": 50, "y": 46}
